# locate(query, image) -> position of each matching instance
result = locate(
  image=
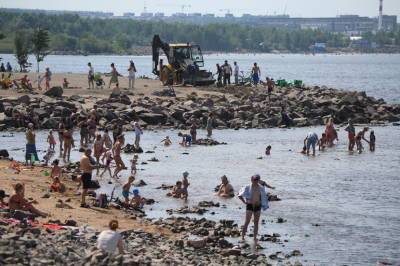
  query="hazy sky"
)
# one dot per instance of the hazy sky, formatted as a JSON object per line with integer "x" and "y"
{"x": 304, "y": 8}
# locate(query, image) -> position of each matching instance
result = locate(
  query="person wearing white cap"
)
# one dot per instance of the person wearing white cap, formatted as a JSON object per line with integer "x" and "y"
{"x": 31, "y": 153}
{"x": 255, "y": 199}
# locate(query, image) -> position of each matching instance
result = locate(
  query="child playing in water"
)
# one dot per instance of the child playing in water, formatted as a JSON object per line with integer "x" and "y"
{"x": 167, "y": 141}
{"x": 268, "y": 150}
{"x": 107, "y": 166}
{"x": 322, "y": 142}
{"x": 51, "y": 140}
{"x": 361, "y": 136}
{"x": 126, "y": 188}
{"x": 56, "y": 171}
{"x": 304, "y": 150}
{"x": 137, "y": 201}
{"x": 372, "y": 141}
{"x": 176, "y": 190}
{"x": 134, "y": 164}
{"x": 186, "y": 139}
{"x": 185, "y": 184}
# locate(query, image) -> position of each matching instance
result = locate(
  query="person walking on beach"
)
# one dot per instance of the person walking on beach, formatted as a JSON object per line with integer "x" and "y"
{"x": 227, "y": 73}
{"x": 31, "y": 153}
{"x": 236, "y": 72}
{"x": 351, "y": 134}
{"x": 91, "y": 76}
{"x": 138, "y": 132}
{"x": 311, "y": 141}
{"x": 86, "y": 166}
{"x": 114, "y": 78}
{"x": 132, "y": 73}
{"x": 209, "y": 126}
{"x": 255, "y": 198}
{"x": 117, "y": 155}
{"x": 107, "y": 140}
{"x": 98, "y": 150}
{"x": 256, "y": 74}
{"x": 107, "y": 165}
{"x": 47, "y": 76}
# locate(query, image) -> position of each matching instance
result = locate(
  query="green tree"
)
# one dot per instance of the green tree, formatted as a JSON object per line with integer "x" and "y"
{"x": 40, "y": 42}
{"x": 21, "y": 49}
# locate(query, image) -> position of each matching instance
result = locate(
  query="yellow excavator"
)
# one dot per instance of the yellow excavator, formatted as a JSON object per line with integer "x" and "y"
{"x": 184, "y": 63}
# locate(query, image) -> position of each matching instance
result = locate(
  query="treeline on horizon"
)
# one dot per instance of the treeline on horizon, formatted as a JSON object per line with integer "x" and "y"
{"x": 74, "y": 34}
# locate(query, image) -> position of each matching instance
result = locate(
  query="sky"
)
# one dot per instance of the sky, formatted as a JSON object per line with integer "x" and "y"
{"x": 294, "y": 8}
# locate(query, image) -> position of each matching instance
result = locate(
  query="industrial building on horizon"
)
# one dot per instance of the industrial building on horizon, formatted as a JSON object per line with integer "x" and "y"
{"x": 349, "y": 24}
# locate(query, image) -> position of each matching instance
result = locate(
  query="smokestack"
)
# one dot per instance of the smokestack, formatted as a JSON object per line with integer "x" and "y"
{"x": 380, "y": 15}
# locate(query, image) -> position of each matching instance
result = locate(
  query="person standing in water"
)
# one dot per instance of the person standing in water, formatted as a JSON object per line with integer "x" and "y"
{"x": 372, "y": 141}
{"x": 91, "y": 76}
{"x": 351, "y": 134}
{"x": 119, "y": 163}
{"x": 255, "y": 199}
{"x": 310, "y": 141}
{"x": 138, "y": 132}
{"x": 132, "y": 73}
{"x": 361, "y": 136}
{"x": 47, "y": 76}
{"x": 209, "y": 125}
{"x": 31, "y": 153}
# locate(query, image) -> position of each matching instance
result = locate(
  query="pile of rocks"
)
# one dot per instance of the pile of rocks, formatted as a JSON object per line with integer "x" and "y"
{"x": 35, "y": 246}
{"x": 236, "y": 107}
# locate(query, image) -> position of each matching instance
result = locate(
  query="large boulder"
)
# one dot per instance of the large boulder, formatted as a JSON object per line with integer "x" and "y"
{"x": 153, "y": 119}
{"x": 54, "y": 92}
{"x": 51, "y": 123}
{"x": 4, "y": 154}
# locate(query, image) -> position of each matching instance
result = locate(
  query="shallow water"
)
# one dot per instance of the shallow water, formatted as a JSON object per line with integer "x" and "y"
{"x": 377, "y": 74}
{"x": 354, "y": 198}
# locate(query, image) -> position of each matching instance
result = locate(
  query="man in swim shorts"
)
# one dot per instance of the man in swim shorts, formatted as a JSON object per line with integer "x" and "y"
{"x": 255, "y": 199}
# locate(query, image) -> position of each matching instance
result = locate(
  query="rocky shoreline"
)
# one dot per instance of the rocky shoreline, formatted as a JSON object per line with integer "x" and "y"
{"x": 233, "y": 107}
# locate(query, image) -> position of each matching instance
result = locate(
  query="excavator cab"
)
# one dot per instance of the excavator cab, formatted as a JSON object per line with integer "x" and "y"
{"x": 184, "y": 62}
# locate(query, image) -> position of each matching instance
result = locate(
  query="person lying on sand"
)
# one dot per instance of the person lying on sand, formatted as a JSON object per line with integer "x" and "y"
{"x": 18, "y": 202}
{"x": 225, "y": 188}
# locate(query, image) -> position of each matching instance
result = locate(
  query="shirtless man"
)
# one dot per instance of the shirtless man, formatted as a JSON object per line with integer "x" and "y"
{"x": 255, "y": 199}
{"x": 86, "y": 166}
{"x": 117, "y": 155}
{"x": 256, "y": 74}
{"x": 18, "y": 202}
{"x": 225, "y": 189}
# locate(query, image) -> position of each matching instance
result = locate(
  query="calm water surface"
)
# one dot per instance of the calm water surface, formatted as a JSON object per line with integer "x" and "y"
{"x": 377, "y": 74}
{"x": 354, "y": 198}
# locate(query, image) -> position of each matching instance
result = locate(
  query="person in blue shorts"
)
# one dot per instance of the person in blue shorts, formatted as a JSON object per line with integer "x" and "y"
{"x": 256, "y": 74}
{"x": 186, "y": 139}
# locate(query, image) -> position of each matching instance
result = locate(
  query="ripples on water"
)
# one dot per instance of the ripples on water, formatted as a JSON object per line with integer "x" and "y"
{"x": 355, "y": 198}
{"x": 377, "y": 74}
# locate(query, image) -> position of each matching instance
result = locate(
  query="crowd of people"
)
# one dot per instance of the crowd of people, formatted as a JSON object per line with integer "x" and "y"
{"x": 330, "y": 135}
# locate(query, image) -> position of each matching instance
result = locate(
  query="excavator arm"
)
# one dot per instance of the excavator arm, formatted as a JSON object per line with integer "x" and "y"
{"x": 156, "y": 45}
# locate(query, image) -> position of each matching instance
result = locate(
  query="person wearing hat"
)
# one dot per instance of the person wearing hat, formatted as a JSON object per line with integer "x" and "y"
{"x": 137, "y": 201}
{"x": 3, "y": 205}
{"x": 225, "y": 189}
{"x": 255, "y": 199}
{"x": 31, "y": 153}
